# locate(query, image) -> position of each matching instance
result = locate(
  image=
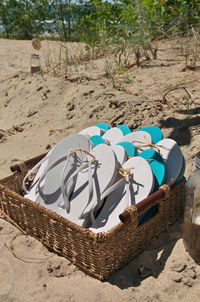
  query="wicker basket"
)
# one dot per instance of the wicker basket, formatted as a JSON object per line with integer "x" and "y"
{"x": 99, "y": 254}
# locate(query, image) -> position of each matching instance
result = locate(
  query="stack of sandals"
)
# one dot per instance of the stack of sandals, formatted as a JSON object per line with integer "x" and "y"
{"x": 91, "y": 177}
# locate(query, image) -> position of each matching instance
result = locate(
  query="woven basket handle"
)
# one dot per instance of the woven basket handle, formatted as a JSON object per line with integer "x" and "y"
{"x": 163, "y": 192}
{"x": 28, "y": 163}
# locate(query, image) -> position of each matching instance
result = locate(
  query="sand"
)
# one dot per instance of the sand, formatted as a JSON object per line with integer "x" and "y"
{"x": 36, "y": 111}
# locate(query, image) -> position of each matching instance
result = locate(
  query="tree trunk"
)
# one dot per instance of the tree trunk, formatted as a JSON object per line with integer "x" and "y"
{"x": 63, "y": 20}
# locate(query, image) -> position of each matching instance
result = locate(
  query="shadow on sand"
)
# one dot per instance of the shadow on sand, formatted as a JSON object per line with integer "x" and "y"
{"x": 152, "y": 260}
{"x": 181, "y": 127}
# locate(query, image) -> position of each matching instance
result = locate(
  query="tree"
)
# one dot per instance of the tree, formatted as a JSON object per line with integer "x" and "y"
{"x": 23, "y": 18}
{"x": 62, "y": 14}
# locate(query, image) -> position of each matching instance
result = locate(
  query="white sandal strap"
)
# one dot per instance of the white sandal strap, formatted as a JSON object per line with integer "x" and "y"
{"x": 126, "y": 181}
{"x": 90, "y": 189}
{"x": 66, "y": 157}
{"x": 99, "y": 203}
{"x": 66, "y": 203}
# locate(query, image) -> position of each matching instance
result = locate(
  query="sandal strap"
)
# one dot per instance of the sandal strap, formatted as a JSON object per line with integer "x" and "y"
{"x": 124, "y": 181}
{"x": 90, "y": 190}
{"x": 63, "y": 158}
{"x": 99, "y": 203}
{"x": 66, "y": 202}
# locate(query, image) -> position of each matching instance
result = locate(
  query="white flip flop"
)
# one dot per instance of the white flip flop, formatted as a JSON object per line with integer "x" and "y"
{"x": 91, "y": 181}
{"x": 125, "y": 192}
{"x": 120, "y": 153}
{"x": 119, "y": 150}
{"x": 140, "y": 140}
{"x": 173, "y": 158}
{"x": 90, "y": 131}
{"x": 46, "y": 188}
{"x": 113, "y": 135}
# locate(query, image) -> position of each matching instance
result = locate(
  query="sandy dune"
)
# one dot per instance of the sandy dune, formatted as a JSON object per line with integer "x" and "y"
{"x": 36, "y": 111}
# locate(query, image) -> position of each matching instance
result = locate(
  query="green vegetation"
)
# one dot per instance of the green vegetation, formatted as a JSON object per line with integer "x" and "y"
{"x": 114, "y": 29}
{"x": 146, "y": 19}
{"x": 23, "y": 19}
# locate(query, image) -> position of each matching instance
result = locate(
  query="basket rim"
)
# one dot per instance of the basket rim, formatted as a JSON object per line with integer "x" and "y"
{"x": 139, "y": 208}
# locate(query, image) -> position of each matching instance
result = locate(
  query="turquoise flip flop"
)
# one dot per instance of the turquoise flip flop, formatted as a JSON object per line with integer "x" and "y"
{"x": 157, "y": 165}
{"x": 140, "y": 139}
{"x": 105, "y": 127}
{"x": 125, "y": 129}
{"x": 155, "y": 132}
{"x": 97, "y": 140}
{"x": 129, "y": 148}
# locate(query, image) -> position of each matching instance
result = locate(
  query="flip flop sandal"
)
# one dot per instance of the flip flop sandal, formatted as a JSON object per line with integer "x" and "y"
{"x": 92, "y": 179}
{"x": 182, "y": 172}
{"x": 90, "y": 131}
{"x": 97, "y": 140}
{"x": 47, "y": 189}
{"x": 129, "y": 147}
{"x": 157, "y": 165}
{"x": 120, "y": 151}
{"x": 125, "y": 129}
{"x": 140, "y": 139}
{"x": 103, "y": 126}
{"x": 173, "y": 158}
{"x": 113, "y": 135}
{"x": 155, "y": 132}
{"x": 136, "y": 185}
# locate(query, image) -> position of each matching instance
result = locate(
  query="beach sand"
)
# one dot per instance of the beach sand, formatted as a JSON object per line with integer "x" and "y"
{"x": 38, "y": 110}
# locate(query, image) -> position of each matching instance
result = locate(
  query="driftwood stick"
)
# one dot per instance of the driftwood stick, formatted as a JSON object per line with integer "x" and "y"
{"x": 164, "y": 100}
{"x": 14, "y": 76}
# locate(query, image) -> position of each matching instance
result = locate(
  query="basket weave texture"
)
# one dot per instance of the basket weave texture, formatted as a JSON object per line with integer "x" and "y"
{"x": 98, "y": 254}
